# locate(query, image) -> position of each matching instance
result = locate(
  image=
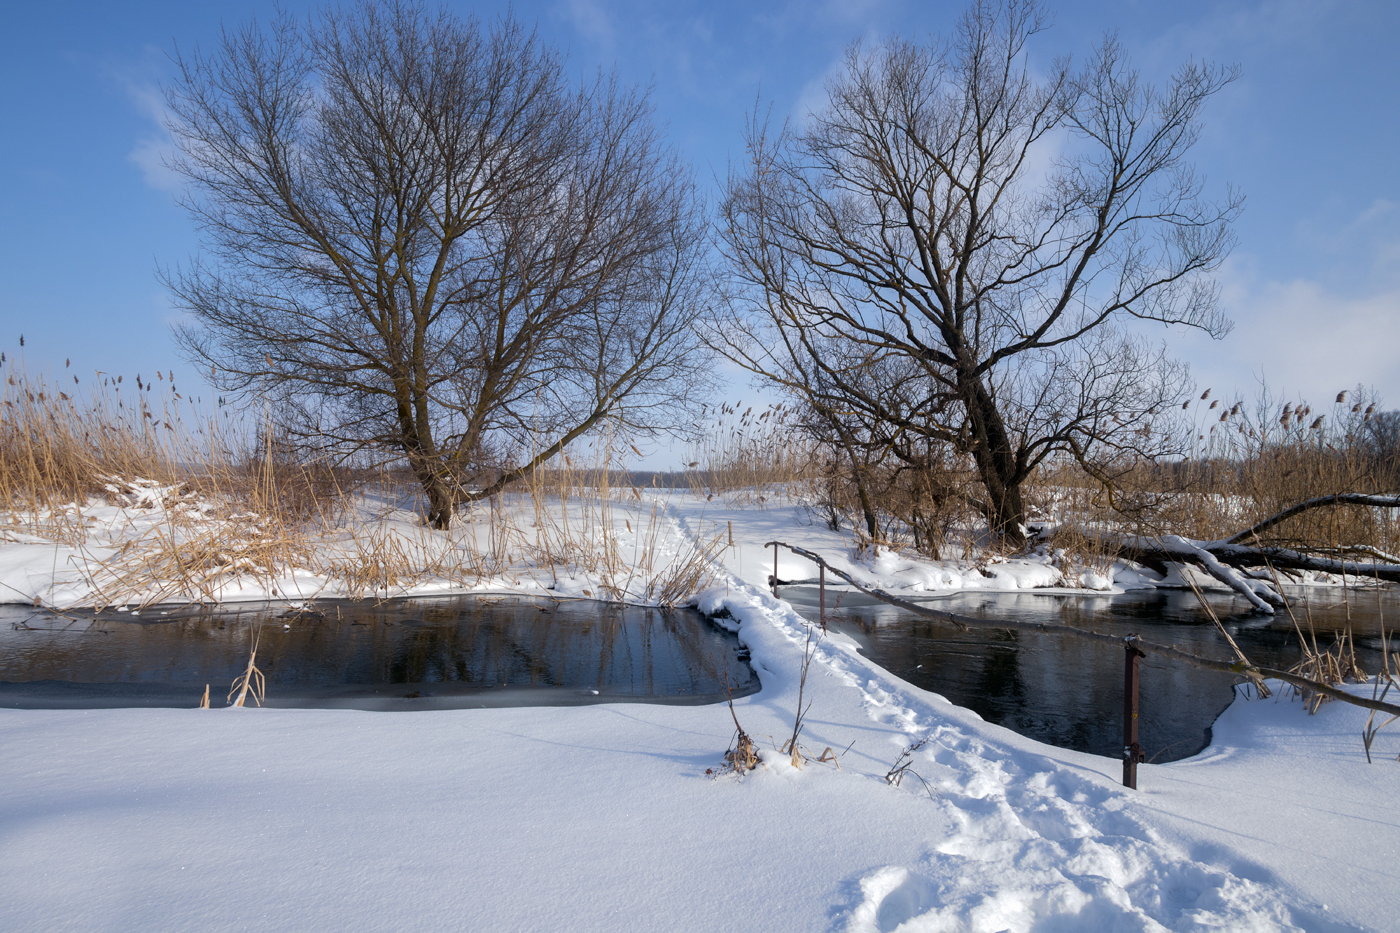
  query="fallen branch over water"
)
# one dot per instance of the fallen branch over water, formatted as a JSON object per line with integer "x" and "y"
{"x": 1237, "y": 668}
{"x": 1160, "y": 551}
{"x": 1224, "y": 558}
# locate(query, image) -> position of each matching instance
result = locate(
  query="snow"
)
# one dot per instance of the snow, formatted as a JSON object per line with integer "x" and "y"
{"x": 109, "y": 551}
{"x": 608, "y": 817}
{"x": 1295, "y": 794}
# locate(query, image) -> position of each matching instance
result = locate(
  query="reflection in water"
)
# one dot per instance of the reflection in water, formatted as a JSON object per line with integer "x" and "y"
{"x": 1069, "y": 692}
{"x": 452, "y": 652}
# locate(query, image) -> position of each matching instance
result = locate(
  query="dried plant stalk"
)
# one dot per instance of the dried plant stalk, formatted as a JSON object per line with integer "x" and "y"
{"x": 251, "y": 680}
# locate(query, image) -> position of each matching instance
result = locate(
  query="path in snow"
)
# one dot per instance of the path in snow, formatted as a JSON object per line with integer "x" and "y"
{"x": 603, "y": 818}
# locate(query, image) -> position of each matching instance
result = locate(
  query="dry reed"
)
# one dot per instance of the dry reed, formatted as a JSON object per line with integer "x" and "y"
{"x": 251, "y": 681}
{"x": 203, "y": 503}
{"x": 1245, "y": 462}
{"x": 749, "y": 457}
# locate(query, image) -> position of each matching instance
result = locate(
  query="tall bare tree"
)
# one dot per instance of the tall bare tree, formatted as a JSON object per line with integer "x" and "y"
{"x": 422, "y": 241}
{"x": 951, "y": 250}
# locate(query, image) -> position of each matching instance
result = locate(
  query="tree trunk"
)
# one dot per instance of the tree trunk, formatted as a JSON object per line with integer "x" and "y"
{"x": 427, "y": 466}
{"x": 441, "y": 494}
{"x": 867, "y": 508}
{"x": 1374, "y": 500}
{"x": 872, "y": 525}
{"x": 997, "y": 465}
{"x": 441, "y": 502}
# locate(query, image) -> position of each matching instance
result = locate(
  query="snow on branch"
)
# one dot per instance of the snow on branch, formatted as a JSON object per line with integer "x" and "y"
{"x": 1260, "y": 595}
{"x": 1223, "y": 559}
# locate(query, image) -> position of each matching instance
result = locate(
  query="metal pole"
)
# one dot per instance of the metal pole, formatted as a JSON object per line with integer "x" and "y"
{"x": 775, "y": 570}
{"x": 821, "y": 588}
{"x": 1132, "y": 751}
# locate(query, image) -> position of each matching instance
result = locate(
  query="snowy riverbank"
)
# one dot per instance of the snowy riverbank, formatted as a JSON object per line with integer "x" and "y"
{"x": 147, "y": 543}
{"x": 604, "y": 817}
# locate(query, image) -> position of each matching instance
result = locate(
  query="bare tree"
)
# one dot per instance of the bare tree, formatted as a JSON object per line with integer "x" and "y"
{"x": 953, "y": 250}
{"x": 423, "y": 242}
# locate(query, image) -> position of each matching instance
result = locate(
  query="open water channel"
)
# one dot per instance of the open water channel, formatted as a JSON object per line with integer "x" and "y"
{"x": 468, "y": 652}
{"x": 396, "y": 655}
{"x": 1068, "y": 691}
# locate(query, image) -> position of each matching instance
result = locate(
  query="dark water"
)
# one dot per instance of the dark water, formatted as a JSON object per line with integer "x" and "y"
{"x": 402, "y": 654}
{"x": 1067, "y": 691}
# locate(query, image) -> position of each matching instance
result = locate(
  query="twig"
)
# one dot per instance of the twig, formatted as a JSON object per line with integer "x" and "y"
{"x": 742, "y": 757}
{"x": 903, "y": 765}
{"x": 1259, "y": 684}
{"x": 791, "y": 746}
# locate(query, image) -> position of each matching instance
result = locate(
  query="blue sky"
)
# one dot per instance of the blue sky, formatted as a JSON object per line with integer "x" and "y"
{"x": 1309, "y": 134}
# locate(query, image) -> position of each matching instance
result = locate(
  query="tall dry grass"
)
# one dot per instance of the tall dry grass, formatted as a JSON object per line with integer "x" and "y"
{"x": 1243, "y": 462}
{"x": 753, "y": 456}
{"x": 584, "y": 523}
{"x": 220, "y": 505}
{"x": 749, "y": 456}
{"x": 60, "y": 442}
{"x": 1246, "y": 462}
{"x": 210, "y": 500}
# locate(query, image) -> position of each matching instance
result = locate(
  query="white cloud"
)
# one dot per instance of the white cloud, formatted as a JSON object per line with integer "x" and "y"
{"x": 591, "y": 20}
{"x": 1361, "y": 249}
{"x": 1303, "y": 340}
{"x": 1332, "y": 325}
{"x": 1221, "y": 32}
{"x": 851, "y": 10}
{"x": 812, "y": 98}
{"x": 151, "y": 154}
{"x": 154, "y": 149}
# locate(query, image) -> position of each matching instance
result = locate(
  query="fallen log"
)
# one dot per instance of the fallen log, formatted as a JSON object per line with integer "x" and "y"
{"x": 1157, "y": 552}
{"x": 1221, "y": 558}
{"x": 1259, "y": 595}
{"x": 1375, "y": 552}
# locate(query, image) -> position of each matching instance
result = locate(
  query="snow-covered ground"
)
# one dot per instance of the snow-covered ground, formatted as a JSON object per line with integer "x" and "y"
{"x": 146, "y": 542}
{"x": 609, "y": 818}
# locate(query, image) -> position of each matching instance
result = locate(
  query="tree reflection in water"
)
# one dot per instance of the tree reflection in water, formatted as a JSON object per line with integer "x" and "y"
{"x": 1069, "y": 692}
{"x": 442, "y": 645}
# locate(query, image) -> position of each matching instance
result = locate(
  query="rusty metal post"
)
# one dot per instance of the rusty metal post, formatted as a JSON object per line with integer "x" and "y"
{"x": 1132, "y": 751}
{"x": 821, "y": 589}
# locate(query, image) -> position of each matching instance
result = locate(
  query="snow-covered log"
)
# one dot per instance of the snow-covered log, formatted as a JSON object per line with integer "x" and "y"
{"x": 1224, "y": 559}
{"x": 1158, "y": 552}
{"x": 1377, "y": 553}
{"x": 1259, "y": 594}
